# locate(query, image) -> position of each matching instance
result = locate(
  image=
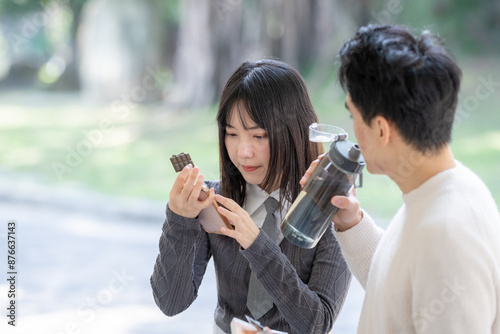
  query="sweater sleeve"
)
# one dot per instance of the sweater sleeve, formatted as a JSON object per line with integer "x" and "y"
{"x": 358, "y": 246}
{"x": 181, "y": 263}
{"x": 310, "y": 307}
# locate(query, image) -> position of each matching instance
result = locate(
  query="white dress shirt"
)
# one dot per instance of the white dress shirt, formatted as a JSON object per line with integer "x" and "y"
{"x": 254, "y": 205}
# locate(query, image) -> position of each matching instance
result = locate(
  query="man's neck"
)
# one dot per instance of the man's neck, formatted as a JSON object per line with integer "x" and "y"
{"x": 415, "y": 168}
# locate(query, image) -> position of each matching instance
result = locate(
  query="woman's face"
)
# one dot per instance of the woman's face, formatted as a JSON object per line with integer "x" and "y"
{"x": 248, "y": 148}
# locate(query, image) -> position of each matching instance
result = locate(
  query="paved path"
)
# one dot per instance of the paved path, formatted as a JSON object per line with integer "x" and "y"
{"x": 84, "y": 262}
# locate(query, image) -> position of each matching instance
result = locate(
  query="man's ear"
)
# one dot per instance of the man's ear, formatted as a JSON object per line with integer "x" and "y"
{"x": 383, "y": 130}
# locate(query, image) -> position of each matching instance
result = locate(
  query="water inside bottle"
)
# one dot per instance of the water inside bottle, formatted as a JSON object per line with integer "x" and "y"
{"x": 312, "y": 211}
{"x": 305, "y": 222}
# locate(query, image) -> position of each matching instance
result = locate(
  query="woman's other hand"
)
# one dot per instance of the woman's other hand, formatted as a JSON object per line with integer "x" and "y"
{"x": 245, "y": 231}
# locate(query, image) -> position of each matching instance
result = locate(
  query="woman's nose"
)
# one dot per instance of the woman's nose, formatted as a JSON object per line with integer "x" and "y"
{"x": 245, "y": 150}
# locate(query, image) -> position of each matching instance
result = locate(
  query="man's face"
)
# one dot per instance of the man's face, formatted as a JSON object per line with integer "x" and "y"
{"x": 365, "y": 136}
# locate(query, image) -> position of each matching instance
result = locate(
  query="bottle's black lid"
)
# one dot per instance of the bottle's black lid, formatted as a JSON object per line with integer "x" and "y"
{"x": 346, "y": 155}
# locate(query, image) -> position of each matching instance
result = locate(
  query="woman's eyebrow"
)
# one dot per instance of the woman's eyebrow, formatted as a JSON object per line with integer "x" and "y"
{"x": 256, "y": 127}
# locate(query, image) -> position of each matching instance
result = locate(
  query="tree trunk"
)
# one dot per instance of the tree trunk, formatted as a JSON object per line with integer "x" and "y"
{"x": 333, "y": 25}
{"x": 119, "y": 51}
{"x": 194, "y": 59}
{"x": 216, "y": 36}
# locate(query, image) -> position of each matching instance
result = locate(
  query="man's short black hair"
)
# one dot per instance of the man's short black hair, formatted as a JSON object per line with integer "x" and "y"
{"x": 413, "y": 81}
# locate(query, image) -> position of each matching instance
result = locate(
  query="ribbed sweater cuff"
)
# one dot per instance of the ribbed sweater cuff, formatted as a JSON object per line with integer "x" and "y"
{"x": 177, "y": 222}
{"x": 358, "y": 246}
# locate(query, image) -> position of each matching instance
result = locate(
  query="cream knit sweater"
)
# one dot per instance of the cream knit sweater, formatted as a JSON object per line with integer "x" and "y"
{"x": 436, "y": 269}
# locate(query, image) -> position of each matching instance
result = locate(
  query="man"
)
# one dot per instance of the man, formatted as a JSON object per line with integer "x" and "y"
{"x": 436, "y": 269}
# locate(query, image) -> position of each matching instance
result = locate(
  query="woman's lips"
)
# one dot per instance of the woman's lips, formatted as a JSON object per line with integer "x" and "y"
{"x": 249, "y": 169}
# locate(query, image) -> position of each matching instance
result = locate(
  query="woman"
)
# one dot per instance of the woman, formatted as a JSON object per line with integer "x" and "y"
{"x": 263, "y": 120}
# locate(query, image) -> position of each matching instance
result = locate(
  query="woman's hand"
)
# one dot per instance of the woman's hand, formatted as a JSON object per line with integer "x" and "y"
{"x": 183, "y": 198}
{"x": 349, "y": 213}
{"x": 245, "y": 231}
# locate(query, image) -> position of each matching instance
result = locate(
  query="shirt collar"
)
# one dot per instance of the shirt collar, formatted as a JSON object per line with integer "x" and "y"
{"x": 255, "y": 197}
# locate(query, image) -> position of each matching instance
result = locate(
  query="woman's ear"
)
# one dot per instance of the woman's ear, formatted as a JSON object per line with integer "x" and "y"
{"x": 383, "y": 130}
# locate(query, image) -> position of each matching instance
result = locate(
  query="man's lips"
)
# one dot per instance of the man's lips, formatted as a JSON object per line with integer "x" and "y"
{"x": 249, "y": 169}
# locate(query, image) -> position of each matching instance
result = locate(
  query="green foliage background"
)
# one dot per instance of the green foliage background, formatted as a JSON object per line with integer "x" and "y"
{"x": 39, "y": 129}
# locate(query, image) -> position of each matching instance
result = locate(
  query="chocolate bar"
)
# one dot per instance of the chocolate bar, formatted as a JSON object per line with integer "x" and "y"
{"x": 180, "y": 161}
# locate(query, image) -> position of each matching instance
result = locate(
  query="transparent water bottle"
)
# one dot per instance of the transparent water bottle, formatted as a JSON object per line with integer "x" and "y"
{"x": 338, "y": 171}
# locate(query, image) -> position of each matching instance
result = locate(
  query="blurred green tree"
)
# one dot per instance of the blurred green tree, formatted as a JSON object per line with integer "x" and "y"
{"x": 471, "y": 26}
{"x": 198, "y": 43}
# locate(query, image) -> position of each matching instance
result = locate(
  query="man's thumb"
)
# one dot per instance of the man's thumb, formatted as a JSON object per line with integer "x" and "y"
{"x": 340, "y": 202}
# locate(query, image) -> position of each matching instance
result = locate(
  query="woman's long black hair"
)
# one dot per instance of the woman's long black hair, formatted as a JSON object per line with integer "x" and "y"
{"x": 275, "y": 97}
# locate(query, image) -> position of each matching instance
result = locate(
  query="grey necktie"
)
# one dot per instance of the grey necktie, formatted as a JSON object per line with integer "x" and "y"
{"x": 258, "y": 300}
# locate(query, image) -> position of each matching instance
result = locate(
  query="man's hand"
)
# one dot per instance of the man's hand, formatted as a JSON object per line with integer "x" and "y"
{"x": 349, "y": 213}
{"x": 310, "y": 170}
